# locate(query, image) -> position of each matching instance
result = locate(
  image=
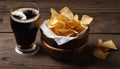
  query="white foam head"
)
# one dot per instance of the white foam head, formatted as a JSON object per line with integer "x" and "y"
{"x": 20, "y": 13}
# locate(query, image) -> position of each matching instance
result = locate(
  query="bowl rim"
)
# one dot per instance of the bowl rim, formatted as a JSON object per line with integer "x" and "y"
{"x": 59, "y": 49}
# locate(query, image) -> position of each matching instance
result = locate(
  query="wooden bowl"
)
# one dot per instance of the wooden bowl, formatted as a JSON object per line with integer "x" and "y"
{"x": 68, "y": 50}
{"x": 62, "y": 54}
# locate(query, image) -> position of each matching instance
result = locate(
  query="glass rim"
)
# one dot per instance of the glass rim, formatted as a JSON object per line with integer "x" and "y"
{"x": 19, "y": 6}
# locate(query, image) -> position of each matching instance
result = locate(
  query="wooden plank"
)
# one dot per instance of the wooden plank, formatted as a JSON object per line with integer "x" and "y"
{"x": 102, "y": 23}
{"x": 84, "y": 3}
{"x": 9, "y": 59}
{"x": 106, "y": 16}
{"x": 5, "y": 27}
{"x": 83, "y": 6}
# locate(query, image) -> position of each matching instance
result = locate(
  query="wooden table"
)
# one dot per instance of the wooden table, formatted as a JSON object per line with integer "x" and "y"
{"x": 106, "y": 25}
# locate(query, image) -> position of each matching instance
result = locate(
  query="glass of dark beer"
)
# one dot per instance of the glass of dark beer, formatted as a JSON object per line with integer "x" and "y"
{"x": 25, "y": 21}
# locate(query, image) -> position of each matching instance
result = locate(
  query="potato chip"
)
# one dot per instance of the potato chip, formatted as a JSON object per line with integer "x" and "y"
{"x": 106, "y": 54}
{"x": 74, "y": 31}
{"x": 59, "y": 25}
{"x": 53, "y": 20}
{"x": 70, "y": 34}
{"x": 67, "y": 13}
{"x": 55, "y": 31}
{"x": 56, "y": 24}
{"x": 102, "y": 49}
{"x": 100, "y": 42}
{"x": 86, "y": 20}
{"x": 70, "y": 24}
{"x": 54, "y": 12}
{"x": 65, "y": 23}
{"x": 76, "y": 18}
{"x": 51, "y": 23}
{"x": 98, "y": 53}
{"x": 64, "y": 32}
{"x": 74, "y": 25}
{"x": 61, "y": 18}
{"x": 109, "y": 44}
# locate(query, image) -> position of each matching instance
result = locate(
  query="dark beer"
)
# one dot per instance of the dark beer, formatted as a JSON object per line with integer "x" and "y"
{"x": 25, "y": 23}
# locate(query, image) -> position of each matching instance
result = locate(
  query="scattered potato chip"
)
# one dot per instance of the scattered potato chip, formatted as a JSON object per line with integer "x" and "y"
{"x": 102, "y": 49}
{"x": 109, "y": 44}
{"x": 106, "y": 53}
{"x": 98, "y": 53}
{"x": 100, "y": 42}
{"x": 65, "y": 23}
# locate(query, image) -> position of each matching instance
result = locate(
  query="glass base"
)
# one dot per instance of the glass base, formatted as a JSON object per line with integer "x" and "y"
{"x": 28, "y": 52}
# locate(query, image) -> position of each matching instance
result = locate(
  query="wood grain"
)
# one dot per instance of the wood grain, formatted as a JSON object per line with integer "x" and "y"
{"x": 102, "y": 23}
{"x": 106, "y": 16}
{"x": 83, "y": 5}
{"x": 9, "y": 59}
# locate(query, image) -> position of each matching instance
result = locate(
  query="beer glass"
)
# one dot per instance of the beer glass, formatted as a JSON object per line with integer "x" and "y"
{"x": 25, "y": 21}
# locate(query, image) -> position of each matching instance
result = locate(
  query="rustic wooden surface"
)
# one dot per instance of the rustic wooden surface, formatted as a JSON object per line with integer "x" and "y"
{"x": 106, "y": 25}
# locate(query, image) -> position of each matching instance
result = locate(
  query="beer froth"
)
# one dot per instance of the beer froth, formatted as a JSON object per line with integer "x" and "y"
{"x": 25, "y": 15}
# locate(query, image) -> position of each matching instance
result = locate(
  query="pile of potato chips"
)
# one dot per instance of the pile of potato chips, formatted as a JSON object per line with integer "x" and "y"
{"x": 101, "y": 51}
{"x": 66, "y": 23}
